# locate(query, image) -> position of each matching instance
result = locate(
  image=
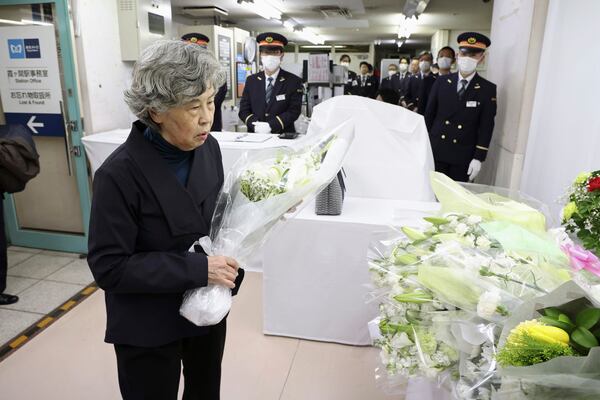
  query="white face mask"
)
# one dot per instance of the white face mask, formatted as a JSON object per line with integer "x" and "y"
{"x": 466, "y": 65}
{"x": 444, "y": 62}
{"x": 345, "y": 64}
{"x": 392, "y": 72}
{"x": 403, "y": 68}
{"x": 424, "y": 66}
{"x": 271, "y": 63}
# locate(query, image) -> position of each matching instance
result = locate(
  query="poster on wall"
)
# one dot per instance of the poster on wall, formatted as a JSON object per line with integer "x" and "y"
{"x": 243, "y": 71}
{"x": 225, "y": 60}
{"x": 30, "y": 87}
{"x": 318, "y": 68}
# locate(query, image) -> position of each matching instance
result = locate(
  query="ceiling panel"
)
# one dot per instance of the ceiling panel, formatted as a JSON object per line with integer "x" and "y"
{"x": 371, "y": 19}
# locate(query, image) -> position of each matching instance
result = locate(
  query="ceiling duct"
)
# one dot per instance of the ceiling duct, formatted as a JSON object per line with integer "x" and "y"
{"x": 204, "y": 12}
{"x": 335, "y": 12}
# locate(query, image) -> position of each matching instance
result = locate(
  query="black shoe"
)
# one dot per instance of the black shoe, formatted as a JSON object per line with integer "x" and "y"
{"x": 6, "y": 299}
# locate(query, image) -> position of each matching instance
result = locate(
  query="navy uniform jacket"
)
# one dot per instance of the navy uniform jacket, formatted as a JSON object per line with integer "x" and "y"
{"x": 218, "y": 120}
{"x": 285, "y": 105}
{"x": 351, "y": 86}
{"x": 424, "y": 91}
{"x": 142, "y": 223}
{"x": 389, "y": 82}
{"x": 400, "y": 83}
{"x": 370, "y": 88}
{"x": 460, "y": 130}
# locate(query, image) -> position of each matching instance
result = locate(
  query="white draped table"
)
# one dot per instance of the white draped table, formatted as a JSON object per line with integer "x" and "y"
{"x": 100, "y": 145}
{"x": 315, "y": 273}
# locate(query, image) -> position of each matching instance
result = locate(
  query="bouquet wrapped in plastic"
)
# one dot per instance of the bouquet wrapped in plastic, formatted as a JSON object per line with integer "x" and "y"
{"x": 258, "y": 191}
{"x": 549, "y": 348}
{"x": 445, "y": 291}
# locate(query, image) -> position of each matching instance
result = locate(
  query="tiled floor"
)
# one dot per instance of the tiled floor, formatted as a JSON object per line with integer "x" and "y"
{"x": 69, "y": 360}
{"x": 43, "y": 280}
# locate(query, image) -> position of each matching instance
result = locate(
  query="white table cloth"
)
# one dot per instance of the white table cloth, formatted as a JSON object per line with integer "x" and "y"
{"x": 100, "y": 145}
{"x": 315, "y": 273}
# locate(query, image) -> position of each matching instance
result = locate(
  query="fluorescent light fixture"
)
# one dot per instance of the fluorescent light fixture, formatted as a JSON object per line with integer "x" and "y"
{"x": 312, "y": 37}
{"x": 407, "y": 27}
{"x": 262, "y": 8}
{"x": 30, "y": 22}
{"x": 289, "y": 24}
{"x": 322, "y": 46}
{"x": 8, "y": 21}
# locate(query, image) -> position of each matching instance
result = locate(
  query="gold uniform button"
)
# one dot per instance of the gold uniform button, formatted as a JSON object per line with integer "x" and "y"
{"x": 454, "y": 141}
{"x": 447, "y": 122}
{"x": 460, "y": 127}
{"x": 443, "y": 136}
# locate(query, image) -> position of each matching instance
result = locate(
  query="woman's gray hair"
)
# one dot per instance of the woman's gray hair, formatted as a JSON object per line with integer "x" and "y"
{"x": 170, "y": 73}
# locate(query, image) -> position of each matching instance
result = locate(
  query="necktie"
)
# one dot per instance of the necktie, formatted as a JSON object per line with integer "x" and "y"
{"x": 364, "y": 78}
{"x": 269, "y": 90}
{"x": 463, "y": 88}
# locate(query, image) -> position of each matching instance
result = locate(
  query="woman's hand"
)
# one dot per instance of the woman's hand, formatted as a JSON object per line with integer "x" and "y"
{"x": 222, "y": 271}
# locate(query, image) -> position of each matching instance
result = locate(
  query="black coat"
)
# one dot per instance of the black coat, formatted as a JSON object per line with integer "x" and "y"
{"x": 400, "y": 83}
{"x": 388, "y": 83}
{"x": 283, "y": 109}
{"x": 217, "y": 125}
{"x": 424, "y": 91}
{"x": 369, "y": 89}
{"x": 352, "y": 85}
{"x": 460, "y": 130}
{"x": 142, "y": 223}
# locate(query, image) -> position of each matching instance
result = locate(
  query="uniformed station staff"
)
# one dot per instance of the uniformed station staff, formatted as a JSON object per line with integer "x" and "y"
{"x": 460, "y": 113}
{"x": 203, "y": 40}
{"x": 273, "y": 95}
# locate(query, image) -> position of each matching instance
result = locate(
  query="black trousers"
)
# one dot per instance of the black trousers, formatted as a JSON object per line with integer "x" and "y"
{"x": 153, "y": 373}
{"x": 3, "y": 245}
{"x": 456, "y": 172}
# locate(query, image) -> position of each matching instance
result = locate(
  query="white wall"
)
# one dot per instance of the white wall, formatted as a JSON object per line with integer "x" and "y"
{"x": 564, "y": 135}
{"x": 103, "y": 76}
{"x": 513, "y": 68}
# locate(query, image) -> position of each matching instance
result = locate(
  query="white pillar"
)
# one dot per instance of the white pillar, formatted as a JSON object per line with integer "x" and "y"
{"x": 513, "y": 61}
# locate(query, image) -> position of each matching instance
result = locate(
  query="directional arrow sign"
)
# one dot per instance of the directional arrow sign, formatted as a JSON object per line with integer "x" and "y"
{"x": 32, "y": 125}
{"x": 39, "y": 124}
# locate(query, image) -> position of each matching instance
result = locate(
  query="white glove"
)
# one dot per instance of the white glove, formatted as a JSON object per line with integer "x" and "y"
{"x": 474, "y": 169}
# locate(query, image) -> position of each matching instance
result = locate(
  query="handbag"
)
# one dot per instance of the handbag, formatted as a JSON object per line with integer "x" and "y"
{"x": 331, "y": 199}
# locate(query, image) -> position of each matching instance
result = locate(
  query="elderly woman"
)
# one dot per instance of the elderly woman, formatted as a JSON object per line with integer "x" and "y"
{"x": 153, "y": 197}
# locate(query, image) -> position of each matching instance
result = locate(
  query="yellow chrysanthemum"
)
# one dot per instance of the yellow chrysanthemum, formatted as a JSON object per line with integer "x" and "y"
{"x": 569, "y": 210}
{"x": 582, "y": 178}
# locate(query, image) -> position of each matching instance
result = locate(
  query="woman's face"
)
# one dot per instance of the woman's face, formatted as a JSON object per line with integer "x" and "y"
{"x": 186, "y": 127}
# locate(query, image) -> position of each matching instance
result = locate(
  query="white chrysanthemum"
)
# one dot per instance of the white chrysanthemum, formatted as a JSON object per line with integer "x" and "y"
{"x": 488, "y": 303}
{"x": 400, "y": 340}
{"x": 483, "y": 243}
{"x": 461, "y": 229}
{"x": 474, "y": 220}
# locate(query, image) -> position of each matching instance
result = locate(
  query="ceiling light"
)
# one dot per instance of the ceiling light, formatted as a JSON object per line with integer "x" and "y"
{"x": 27, "y": 21}
{"x": 289, "y": 24}
{"x": 407, "y": 27}
{"x": 8, "y": 21}
{"x": 322, "y": 46}
{"x": 312, "y": 37}
{"x": 261, "y": 7}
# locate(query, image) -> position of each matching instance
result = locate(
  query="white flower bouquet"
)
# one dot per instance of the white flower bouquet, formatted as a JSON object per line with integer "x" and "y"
{"x": 257, "y": 193}
{"x": 445, "y": 291}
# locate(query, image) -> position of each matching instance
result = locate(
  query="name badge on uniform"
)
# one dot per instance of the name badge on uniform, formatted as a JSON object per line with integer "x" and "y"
{"x": 281, "y": 97}
{"x": 354, "y": 83}
{"x": 471, "y": 104}
{"x": 369, "y": 84}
